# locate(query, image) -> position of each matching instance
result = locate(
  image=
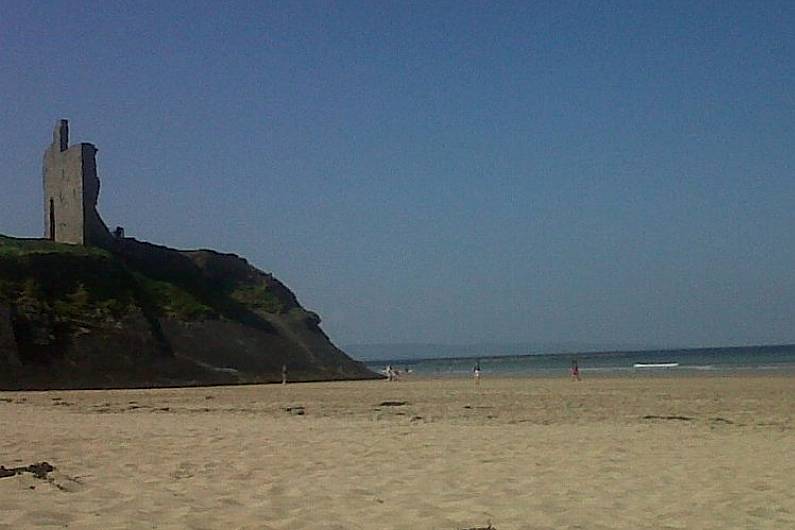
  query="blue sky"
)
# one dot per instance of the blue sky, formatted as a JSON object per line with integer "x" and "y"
{"x": 438, "y": 172}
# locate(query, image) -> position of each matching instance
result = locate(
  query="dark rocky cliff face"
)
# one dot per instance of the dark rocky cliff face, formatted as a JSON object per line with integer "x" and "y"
{"x": 146, "y": 315}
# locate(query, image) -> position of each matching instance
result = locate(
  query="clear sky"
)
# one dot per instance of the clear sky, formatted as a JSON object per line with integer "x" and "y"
{"x": 438, "y": 171}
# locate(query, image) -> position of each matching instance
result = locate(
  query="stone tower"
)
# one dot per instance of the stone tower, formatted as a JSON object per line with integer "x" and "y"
{"x": 71, "y": 189}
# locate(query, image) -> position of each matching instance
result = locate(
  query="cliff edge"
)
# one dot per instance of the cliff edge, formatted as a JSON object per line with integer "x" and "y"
{"x": 143, "y": 315}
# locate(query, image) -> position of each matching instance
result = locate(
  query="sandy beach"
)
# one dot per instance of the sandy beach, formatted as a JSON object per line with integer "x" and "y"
{"x": 517, "y": 453}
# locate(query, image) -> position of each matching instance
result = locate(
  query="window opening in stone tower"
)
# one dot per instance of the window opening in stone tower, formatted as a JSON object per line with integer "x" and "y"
{"x": 52, "y": 220}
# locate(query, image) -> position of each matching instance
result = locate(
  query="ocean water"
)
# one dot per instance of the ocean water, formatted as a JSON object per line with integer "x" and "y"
{"x": 753, "y": 358}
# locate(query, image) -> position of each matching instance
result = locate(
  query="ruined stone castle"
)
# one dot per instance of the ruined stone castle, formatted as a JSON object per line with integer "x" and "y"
{"x": 71, "y": 189}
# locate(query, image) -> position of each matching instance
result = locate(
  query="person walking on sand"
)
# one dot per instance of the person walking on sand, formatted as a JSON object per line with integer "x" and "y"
{"x": 476, "y": 373}
{"x": 575, "y": 371}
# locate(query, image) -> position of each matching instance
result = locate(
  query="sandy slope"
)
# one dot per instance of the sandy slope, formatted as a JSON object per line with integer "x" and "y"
{"x": 521, "y": 453}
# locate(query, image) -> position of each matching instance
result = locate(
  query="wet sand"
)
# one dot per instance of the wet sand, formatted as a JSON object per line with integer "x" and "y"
{"x": 519, "y": 453}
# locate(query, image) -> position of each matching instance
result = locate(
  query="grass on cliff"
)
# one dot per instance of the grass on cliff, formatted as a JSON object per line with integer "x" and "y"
{"x": 12, "y": 246}
{"x": 173, "y": 301}
{"x": 71, "y": 283}
{"x": 256, "y": 297}
{"x": 84, "y": 284}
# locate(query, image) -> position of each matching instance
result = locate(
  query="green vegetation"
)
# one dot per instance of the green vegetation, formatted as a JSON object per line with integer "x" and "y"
{"x": 72, "y": 284}
{"x": 11, "y": 246}
{"x": 173, "y": 301}
{"x": 256, "y": 296}
{"x": 85, "y": 285}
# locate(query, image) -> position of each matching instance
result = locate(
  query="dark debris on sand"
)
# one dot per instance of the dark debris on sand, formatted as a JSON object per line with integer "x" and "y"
{"x": 677, "y": 418}
{"x": 392, "y": 404}
{"x": 38, "y": 470}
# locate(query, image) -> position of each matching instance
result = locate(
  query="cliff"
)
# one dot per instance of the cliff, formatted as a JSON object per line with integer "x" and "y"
{"x": 144, "y": 315}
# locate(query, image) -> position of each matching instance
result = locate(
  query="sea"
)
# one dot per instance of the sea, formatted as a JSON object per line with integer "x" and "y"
{"x": 760, "y": 359}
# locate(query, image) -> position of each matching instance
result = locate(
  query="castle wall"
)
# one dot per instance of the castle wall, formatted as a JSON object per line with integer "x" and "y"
{"x": 95, "y": 232}
{"x": 71, "y": 190}
{"x": 63, "y": 195}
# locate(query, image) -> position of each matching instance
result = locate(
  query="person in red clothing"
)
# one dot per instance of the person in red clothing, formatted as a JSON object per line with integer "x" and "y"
{"x": 575, "y": 371}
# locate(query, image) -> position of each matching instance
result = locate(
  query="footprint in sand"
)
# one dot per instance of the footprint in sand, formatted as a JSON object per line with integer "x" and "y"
{"x": 184, "y": 470}
{"x": 47, "y": 518}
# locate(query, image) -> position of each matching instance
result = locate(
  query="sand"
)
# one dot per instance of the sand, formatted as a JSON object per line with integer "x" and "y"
{"x": 622, "y": 452}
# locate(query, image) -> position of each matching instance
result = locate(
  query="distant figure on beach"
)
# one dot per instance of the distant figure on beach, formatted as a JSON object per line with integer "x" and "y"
{"x": 390, "y": 374}
{"x": 575, "y": 371}
{"x": 476, "y": 372}
{"x": 284, "y": 374}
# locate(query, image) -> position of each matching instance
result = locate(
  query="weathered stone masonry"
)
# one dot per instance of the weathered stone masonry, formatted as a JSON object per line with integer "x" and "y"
{"x": 71, "y": 189}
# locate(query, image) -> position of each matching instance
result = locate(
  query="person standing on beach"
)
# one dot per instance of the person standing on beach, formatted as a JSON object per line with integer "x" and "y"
{"x": 575, "y": 371}
{"x": 476, "y": 372}
{"x": 284, "y": 374}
